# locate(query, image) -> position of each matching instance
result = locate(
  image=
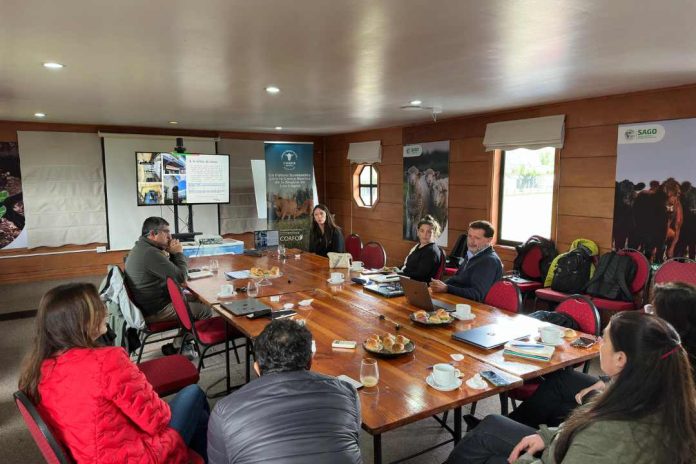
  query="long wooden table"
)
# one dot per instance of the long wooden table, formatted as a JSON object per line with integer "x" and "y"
{"x": 347, "y": 312}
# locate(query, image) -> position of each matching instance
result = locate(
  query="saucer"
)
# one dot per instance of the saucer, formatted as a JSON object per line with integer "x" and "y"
{"x": 560, "y": 342}
{"x": 336, "y": 282}
{"x": 470, "y": 317}
{"x": 357, "y": 269}
{"x": 429, "y": 381}
{"x": 306, "y": 302}
{"x": 288, "y": 305}
{"x": 226, "y": 295}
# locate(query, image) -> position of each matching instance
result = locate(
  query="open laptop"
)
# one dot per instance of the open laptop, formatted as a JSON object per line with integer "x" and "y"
{"x": 417, "y": 294}
{"x": 244, "y": 307}
{"x": 389, "y": 290}
{"x": 492, "y": 335}
{"x": 265, "y": 239}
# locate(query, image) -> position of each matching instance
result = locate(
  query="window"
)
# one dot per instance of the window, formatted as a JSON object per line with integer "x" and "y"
{"x": 365, "y": 188}
{"x": 526, "y": 194}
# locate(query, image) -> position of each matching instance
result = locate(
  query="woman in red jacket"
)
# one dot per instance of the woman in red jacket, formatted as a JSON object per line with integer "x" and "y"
{"x": 94, "y": 398}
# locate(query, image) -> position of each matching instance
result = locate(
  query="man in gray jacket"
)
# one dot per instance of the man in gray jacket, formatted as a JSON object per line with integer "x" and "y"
{"x": 155, "y": 257}
{"x": 289, "y": 415}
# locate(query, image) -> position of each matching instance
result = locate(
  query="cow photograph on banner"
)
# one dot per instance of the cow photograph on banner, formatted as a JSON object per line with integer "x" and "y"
{"x": 426, "y": 186}
{"x": 11, "y": 202}
{"x": 289, "y": 191}
{"x": 655, "y": 196}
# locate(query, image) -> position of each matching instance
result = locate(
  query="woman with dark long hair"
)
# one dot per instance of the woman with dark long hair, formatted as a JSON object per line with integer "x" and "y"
{"x": 325, "y": 236}
{"x": 424, "y": 259}
{"x": 97, "y": 401}
{"x": 647, "y": 414}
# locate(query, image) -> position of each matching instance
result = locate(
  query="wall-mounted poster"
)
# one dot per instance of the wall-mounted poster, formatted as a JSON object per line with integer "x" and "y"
{"x": 289, "y": 192}
{"x": 12, "y": 233}
{"x": 655, "y": 197}
{"x": 426, "y": 186}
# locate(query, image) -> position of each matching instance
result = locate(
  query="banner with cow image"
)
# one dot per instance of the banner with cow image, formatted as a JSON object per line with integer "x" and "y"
{"x": 12, "y": 232}
{"x": 289, "y": 192}
{"x": 655, "y": 196}
{"x": 426, "y": 186}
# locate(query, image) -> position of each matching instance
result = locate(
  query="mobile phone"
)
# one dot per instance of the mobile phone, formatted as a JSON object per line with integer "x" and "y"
{"x": 350, "y": 380}
{"x": 282, "y": 313}
{"x": 495, "y": 379}
{"x": 583, "y": 342}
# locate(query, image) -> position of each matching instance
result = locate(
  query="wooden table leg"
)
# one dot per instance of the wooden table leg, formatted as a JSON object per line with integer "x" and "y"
{"x": 377, "y": 445}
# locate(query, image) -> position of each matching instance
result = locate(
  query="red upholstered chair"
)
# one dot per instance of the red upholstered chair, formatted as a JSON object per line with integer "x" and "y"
{"x": 531, "y": 268}
{"x": 169, "y": 374}
{"x": 373, "y": 255}
{"x": 504, "y": 295}
{"x": 677, "y": 270}
{"x": 51, "y": 449}
{"x": 206, "y": 333}
{"x": 638, "y": 286}
{"x": 354, "y": 246}
{"x": 441, "y": 268}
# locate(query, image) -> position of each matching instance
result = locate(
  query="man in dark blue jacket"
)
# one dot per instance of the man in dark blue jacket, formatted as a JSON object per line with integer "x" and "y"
{"x": 481, "y": 267}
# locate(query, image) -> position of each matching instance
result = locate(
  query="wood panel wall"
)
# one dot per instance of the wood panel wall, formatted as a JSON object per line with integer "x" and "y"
{"x": 24, "y": 265}
{"x": 586, "y": 173}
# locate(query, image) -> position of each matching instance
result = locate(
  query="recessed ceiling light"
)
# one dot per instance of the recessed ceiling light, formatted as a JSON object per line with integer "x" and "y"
{"x": 40, "y": 115}
{"x": 53, "y": 65}
{"x": 272, "y": 89}
{"x": 415, "y": 102}
{"x": 173, "y": 122}
{"x": 278, "y": 127}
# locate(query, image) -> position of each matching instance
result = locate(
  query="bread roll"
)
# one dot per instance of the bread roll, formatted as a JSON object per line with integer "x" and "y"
{"x": 388, "y": 343}
{"x": 398, "y": 348}
{"x": 373, "y": 345}
{"x": 420, "y": 314}
{"x": 401, "y": 339}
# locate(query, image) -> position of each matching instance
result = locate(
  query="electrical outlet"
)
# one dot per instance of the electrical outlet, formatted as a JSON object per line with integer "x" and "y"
{"x": 101, "y": 249}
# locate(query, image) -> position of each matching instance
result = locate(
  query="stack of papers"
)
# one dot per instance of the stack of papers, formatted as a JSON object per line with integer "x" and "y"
{"x": 384, "y": 278}
{"x": 199, "y": 274}
{"x": 529, "y": 350}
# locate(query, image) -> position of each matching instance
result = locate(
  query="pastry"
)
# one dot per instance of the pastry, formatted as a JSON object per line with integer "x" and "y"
{"x": 373, "y": 345}
{"x": 420, "y": 314}
{"x": 398, "y": 348}
{"x": 442, "y": 314}
{"x": 388, "y": 343}
{"x": 401, "y": 339}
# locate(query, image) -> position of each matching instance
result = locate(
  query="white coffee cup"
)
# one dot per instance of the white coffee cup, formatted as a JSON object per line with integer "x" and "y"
{"x": 337, "y": 277}
{"x": 551, "y": 335}
{"x": 357, "y": 266}
{"x": 227, "y": 290}
{"x": 462, "y": 310}
{"x": 445, "y": 375}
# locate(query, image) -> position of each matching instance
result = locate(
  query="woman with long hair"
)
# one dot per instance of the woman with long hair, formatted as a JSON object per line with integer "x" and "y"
{"x": 647, "y": 414}
{"x": 325, "y": 236}
{"x": 97, "y": 401}
{"x": 424, "y": 259}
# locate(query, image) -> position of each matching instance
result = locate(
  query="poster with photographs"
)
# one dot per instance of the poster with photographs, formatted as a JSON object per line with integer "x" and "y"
{"x": 12, "y": 234}
{"x": 655, "y": 196}
{"x": 426, "y": 186}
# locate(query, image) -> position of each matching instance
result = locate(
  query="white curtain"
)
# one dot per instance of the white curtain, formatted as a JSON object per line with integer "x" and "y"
{"x": 365, "y": 152}
{"x": 534, "y": 133}
{"x": 63, "y": 183}
{"x": 241, "y": 214}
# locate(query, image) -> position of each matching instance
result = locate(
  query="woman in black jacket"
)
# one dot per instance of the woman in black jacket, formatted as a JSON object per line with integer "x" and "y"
{"x": 325, "y": 236}
{"x": 424, "y": 259}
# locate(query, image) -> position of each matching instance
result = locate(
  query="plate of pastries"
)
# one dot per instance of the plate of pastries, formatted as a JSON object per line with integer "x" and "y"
{"x": 388, "y": 345}
{"x": 439, "y": 317}
{"x": 268, "y": 273}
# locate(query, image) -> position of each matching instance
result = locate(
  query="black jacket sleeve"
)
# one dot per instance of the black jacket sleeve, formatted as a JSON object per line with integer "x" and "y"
{"x": 338, "y": 244}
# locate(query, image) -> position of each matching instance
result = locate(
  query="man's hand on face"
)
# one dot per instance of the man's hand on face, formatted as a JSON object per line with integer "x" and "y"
{"x": 175, "y": 246}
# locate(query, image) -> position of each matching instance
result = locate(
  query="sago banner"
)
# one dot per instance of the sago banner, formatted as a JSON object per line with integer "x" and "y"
{"x": 289, "y": 170}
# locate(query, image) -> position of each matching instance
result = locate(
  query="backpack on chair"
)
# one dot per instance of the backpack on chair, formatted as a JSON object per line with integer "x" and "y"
{"x": 548, "y": 253}
{"x": 613, "y": 277}
{"x": 573, "y": 270}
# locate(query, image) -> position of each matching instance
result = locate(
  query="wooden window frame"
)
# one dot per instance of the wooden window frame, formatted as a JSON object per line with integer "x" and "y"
{"x": 356, "y": 185}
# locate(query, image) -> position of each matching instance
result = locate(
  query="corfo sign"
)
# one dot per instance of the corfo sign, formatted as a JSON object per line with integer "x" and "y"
{"x": 645, "y": 133}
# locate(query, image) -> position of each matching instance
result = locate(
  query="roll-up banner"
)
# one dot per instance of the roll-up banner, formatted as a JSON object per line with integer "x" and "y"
{"x": 289, "y": 193}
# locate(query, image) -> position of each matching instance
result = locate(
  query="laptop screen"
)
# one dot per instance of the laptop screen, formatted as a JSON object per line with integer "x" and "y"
{"x": 265, "y": 238}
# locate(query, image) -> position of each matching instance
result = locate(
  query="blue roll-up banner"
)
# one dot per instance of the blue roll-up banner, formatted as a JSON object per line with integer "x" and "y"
{"x": 289, "y": 193}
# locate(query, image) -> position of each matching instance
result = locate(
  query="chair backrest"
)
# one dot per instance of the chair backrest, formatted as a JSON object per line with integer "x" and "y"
{"x": 441, "y": 267}
{"x": 583, "y": 311}
{"x": 373, "y": 255}
{"x": 531, "y": 262}
{"x": 354, "y": 246}
{"x": 180, "y": 306}
{"x": 677, "y": 270}
{"x": 49, "y": 446}
{"x": 504, "y": 295}
{"x": 642, "y": 276}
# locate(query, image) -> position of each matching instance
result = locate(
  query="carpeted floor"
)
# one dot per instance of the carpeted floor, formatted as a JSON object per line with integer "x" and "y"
{"x": 19, "y": 448}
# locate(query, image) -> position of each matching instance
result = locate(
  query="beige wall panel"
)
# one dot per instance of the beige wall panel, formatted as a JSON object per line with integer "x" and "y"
{"x": 393, "y": 155}
{"x": 587, "y": 142}
{"x": 590, "y": 202}
{"x": 460, "y": 218}
{"x": 470, "y": 173}
{"x": 468, "y": 197}
{"x": 583, "y": 172}
{"x": 468, "y": 149}
{"x": 573, "y": 227}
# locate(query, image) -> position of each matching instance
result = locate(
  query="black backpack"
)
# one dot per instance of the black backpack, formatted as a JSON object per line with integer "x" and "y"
{"x": 572, "y": 271}
{"x": 458, "y": 252}
{"x": 613, "y": 277}
{"x": 548, "y": 253}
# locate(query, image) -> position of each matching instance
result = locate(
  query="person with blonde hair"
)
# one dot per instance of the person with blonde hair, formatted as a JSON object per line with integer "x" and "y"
{"x": 98, "y": 403}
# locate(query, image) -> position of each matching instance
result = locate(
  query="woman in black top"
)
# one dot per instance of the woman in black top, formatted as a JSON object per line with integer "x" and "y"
{"x": 325, "y": 236}
{"x": 424, "y": 259}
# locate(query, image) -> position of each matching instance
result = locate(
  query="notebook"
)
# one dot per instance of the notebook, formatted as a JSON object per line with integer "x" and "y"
{"x": 530, "y": 350}
{"x": 492, "y": 335}
{"x": 417, "y": 294}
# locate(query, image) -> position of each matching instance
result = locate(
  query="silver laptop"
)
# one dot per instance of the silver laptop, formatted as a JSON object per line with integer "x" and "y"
{"x": 492, "y": 335}
{"x": 417, "y": 294}
{"x": 246, "y": 306}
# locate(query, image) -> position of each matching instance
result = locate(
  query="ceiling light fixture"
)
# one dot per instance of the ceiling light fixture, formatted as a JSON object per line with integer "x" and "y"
{"x": 272, "y": 89}
{"x": 416, "y": 102}
{"x": 278, "y": 127}
{"x": 40, "y": 115}
{"x": 173, "y": 122}
{"x": 53, "y": 65}
{"x": 418, "y": 105}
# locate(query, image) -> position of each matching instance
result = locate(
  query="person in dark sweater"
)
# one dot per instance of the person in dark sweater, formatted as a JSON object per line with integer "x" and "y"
{"x": 480, "y": 269}
{"x": 155, "y": 257}
{"x": 424, "y": 259}
{"x": 324, "y": 235}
